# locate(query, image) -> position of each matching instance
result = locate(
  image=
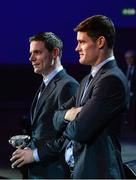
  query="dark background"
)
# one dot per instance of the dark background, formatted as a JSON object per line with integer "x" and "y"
{"x": 20, "y": 19}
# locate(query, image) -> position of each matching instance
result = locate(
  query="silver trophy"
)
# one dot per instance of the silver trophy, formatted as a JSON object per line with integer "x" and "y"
{"x": 19, "y": 141}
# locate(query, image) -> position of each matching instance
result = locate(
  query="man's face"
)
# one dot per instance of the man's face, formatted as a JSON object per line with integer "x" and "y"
{"x": 40, "y": 57}
{"x": 129, "y": 58}
{"x": 87, "y": 49}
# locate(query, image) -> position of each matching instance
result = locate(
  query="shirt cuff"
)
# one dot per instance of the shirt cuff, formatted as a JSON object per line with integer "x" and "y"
{"x": 35, "y": 154}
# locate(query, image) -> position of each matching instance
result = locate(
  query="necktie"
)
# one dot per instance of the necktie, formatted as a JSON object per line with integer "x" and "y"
{"x": 42, "y": 86}
{"x": 129, "y": 73}
{"x": 88, "y": 81}
{"x": 41, "y": 89}
{"x": 129, "y": 77}
{"x": 87, "y": 85}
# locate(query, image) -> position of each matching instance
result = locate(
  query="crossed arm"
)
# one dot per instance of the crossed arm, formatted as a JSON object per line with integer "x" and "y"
{"x": 20, "y": 157}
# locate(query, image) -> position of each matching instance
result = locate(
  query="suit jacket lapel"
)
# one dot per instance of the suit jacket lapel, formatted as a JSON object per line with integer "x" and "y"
{"x": 36, "y": 106}
{"x": 103, "y": 69}
{"x": 42, "y": 99}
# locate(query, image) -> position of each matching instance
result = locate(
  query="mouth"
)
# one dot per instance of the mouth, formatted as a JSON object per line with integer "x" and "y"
{"x": 80, "y": 55}
{"x": 35, "y": 65}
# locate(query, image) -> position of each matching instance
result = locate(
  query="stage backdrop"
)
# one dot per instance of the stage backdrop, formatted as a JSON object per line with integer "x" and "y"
{"x": 20, "y": 19}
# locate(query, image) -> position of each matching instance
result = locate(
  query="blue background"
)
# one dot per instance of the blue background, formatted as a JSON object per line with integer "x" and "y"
{"x": 20, "y": 19}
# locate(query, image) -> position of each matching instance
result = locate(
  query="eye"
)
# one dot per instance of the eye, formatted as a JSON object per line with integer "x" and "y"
{"x": 82, "y": 42}
{"x": 37, "y": 52}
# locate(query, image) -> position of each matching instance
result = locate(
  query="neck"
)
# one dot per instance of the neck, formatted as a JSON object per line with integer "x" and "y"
{"x": 54, "y": 65}
{"x": 103, "y": 56}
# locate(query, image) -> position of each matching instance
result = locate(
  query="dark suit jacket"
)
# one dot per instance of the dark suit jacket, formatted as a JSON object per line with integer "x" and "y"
{"x": 132, "y": 102}
{"x": 96, "y": 127}
{"x": 58, "y": 91}
{"x": 133, "y": 82}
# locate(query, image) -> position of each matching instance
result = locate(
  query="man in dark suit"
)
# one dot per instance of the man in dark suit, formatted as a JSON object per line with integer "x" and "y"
{"x": 130, "y": 57}
{"x": 89, "y": 124}
{"x": 92, "y": 126}
{"x": 57, "y": 87}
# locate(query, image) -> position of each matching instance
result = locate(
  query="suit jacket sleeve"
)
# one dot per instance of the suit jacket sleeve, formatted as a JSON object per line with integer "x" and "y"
{"x": 105, "y": 102}
{"x": 58, "y": 119}
{"x": 51, "y": 150}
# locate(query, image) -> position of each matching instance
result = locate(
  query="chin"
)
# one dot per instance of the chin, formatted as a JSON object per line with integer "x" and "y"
{"x": 36, "y": 71}
{"x": 82, "y": 61}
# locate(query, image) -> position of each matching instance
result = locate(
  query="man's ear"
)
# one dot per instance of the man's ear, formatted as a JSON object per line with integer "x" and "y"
{"x": 101, "y": 42}
{"x": 55, "y": 53}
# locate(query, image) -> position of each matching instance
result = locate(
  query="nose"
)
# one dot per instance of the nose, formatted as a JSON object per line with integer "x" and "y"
{"x": 31, "y": 58}
{"x": 77, "y": 48}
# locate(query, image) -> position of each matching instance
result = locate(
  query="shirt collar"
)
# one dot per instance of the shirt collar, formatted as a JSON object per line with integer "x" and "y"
{"x": 95, "y": 69}
{"x": 50, "y": 76}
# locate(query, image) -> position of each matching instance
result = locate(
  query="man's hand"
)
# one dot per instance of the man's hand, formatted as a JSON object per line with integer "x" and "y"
{"x": 21, "y": 157}
{"x": 71, "y": 113}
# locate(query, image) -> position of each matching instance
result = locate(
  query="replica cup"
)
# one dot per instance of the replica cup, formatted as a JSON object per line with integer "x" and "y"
{"x": 19, "y": 141}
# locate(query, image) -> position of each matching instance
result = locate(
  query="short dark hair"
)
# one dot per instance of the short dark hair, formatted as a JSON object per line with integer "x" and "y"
{"x": 50, "y": 40}
{"x": 97, "y": 26}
